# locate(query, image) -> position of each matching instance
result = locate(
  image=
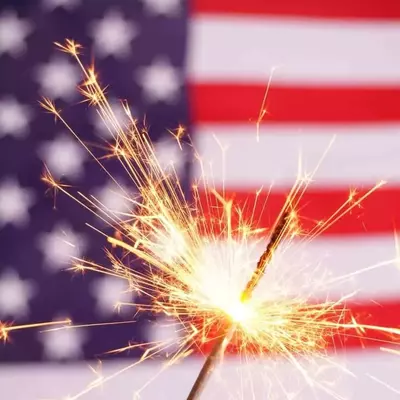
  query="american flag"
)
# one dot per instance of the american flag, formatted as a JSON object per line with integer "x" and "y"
{"x": 203, "y": 64}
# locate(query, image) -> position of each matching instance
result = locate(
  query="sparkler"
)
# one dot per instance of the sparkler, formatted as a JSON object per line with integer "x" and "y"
{"x": 169, "y": 235}
{"x": 221, "y": 343}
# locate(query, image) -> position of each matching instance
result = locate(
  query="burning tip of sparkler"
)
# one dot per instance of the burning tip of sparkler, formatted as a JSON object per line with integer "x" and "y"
{"x": 241, "y": 312}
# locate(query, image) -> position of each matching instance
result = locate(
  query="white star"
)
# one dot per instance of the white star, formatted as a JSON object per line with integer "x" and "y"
{"x": 163, "y": 7}
{"x": 14, "y": 295}
{"x": 165, "y": 332}
{"x": 58, "y": 78}
{"x": 13, "y": 32}
{"x": 115, "y": 200}
{"x": 109, "y": 292}
{"x": 160, "y": 81}
{"x": 50, "y": 5}
{"x": 14, "y": 118}
{"x": 169, "y": 155}
{"x": 62, "y": 344}
{"x": 113, "y": 35}
{"x": 14, "y": 203}
{"x": 64, "y": 157}
{"x": 60, "y": 245}
{"x": 104, "y": 127}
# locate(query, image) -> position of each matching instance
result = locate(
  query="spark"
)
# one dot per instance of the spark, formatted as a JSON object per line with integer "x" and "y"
{"x": 6, "y": 328}
{"x": 263, "y": 109}
{"x": 392, "y": 351}
{"x": 397, "y": 391}
{"x": 211, "y": 297}
{"x": 178, "y": 134}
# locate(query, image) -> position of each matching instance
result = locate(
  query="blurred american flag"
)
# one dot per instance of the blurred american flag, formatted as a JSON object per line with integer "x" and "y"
{"x": 203, "y": 64}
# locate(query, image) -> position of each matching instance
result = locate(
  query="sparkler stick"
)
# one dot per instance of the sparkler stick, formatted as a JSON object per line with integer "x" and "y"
{"x": 276, "y": 238}
{"x": 221, "y": 343}
{"x": 205, "y": 372}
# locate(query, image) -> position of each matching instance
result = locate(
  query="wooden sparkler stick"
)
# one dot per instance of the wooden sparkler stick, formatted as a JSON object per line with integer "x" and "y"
{"x": 208, "y": 366}
{"x": 220, "y": 345}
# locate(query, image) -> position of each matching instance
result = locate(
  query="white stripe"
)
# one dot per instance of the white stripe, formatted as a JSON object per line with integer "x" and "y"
{"x": 359, "y": 155}
{"x": 246, "y": 49}
{"x": 365, "y": 267}
{"x": 231, "y": 381}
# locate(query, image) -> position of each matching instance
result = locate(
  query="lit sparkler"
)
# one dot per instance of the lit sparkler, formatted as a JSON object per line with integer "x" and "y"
{"x": 224, "y": 339}
{"x": 212, "y": 299}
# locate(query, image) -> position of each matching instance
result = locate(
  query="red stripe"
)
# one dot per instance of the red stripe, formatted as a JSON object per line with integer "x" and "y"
{"x": 387, "y": 9}
{"x": 232, "y": 103}
{"x": 386, "y": 314}
{"x": 379, "y": 213}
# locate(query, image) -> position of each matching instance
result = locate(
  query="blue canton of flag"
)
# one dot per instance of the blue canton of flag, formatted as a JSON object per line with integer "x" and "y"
{"x": 139, "y": 51}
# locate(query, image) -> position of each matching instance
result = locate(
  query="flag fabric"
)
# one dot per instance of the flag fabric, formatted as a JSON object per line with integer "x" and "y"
{"x": 203, "y": 64}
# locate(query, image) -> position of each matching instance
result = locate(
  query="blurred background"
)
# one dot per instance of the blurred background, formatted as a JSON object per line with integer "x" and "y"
{"x": 205, "y": 65}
